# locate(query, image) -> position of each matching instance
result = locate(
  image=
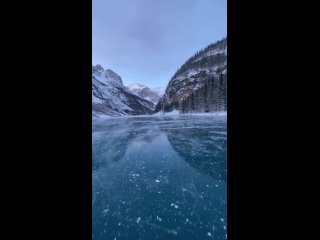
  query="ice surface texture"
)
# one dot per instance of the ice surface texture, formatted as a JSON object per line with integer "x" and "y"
{"x": 160, "y": 177}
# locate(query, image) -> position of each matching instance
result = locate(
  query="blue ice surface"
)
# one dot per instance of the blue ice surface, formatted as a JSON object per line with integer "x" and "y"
{"x": 159, "y": 177}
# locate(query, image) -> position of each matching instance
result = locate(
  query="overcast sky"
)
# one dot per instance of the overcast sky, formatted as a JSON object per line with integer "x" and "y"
{"x": 146, "y": 41}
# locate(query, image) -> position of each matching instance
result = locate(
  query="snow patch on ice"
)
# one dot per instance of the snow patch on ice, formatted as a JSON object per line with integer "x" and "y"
{"x": 174, "y": 205}
{"x": 174, "y": 112}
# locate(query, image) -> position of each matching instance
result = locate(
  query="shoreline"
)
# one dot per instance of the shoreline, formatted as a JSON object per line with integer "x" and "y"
{"x": 159, "y": 114}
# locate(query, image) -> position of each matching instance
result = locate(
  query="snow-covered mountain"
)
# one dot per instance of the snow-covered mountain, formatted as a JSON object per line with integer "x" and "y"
{"x": 111, "y": 97}
{"x": 159, "y": 91}
{"x": 144, "y": 92}
{"x": 200, "y": 85}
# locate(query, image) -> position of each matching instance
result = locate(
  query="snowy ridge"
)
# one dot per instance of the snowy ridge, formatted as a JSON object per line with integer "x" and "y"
{"x": 137, "y": 86}
{"x": 110, "y": 97}
{"x": 213, "y": 53}
{"x": 144, "y": 92}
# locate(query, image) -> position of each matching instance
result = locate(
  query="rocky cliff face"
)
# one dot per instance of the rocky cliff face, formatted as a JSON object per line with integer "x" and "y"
{"x": 111, "y": 97}
{"x": 200, "y": 85}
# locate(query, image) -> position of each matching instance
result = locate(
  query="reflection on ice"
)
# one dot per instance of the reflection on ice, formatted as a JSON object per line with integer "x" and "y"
{"x": 203, "y": 148}
{"x": 159, "y": 178}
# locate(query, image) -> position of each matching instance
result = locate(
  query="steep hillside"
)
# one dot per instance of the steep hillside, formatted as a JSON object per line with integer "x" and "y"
{"x": 200, "y": 85}
{"x": 111, "y": 97}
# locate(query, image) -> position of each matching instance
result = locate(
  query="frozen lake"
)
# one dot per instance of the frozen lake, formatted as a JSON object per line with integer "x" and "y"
{"x": 161, "y": 177}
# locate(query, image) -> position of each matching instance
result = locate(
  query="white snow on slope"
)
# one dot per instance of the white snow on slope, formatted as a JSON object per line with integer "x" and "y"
{"x": 96, "y": 100}
{"x": 136, "y": 86}
{"x": 212, "y": 53}
{"x": 109, "y": 95}
{"x": 144, "y": 92}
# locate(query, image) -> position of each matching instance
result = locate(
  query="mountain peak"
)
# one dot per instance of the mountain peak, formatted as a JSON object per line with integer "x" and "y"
{"x": 111, "y": 97}
{"x": 144, "y": 92}
{"x": 137, "y": 86}
{"x": 99, "y": 67}
{"x": 113, "y": 75}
